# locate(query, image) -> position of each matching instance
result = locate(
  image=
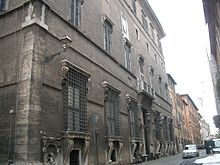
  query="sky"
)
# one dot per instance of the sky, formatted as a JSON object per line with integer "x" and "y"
{"x": 185, "y": 48}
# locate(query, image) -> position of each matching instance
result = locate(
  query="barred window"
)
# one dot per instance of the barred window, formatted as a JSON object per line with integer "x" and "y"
{"x": 157, "y": 126}
{"x": 112, "y": 112}
{"x": 2, "y": 4}
{"x": 133, "y": 119}
{"x": 108, "y": 36}
{"x": 75, "y": 12}
{"x": 75, "y": 101}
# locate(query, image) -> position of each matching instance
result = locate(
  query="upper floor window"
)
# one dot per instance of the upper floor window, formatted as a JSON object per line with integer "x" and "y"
{"x": 134, "y": 6}
{"x": 108, "y": 36}
{"x": 152, "y": 32}
{"x": 75, "y": 101}
{"x": 141, "y": 65}
{"x": 127, "y": 56}
{"x": 148, "y": 47}
{"x": 155, "y": 58}
{"x": 151, "y": 70}
{"x": 2, "y": 5}
{"x": 112, "y": 112}
{"x": 160, "y": 85}
{"x": 166, "y": 92}
{"x": 144, "y": 21}
{"x": 75, "y": 12}
{"x": 137, "y": 34}
{"x": 124, "y": 26}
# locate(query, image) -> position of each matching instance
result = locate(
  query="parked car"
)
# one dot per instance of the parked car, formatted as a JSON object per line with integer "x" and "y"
{"x": 216, "y": 146}
{"x": 209, "y": 160}
{"x": 190, "y": 150}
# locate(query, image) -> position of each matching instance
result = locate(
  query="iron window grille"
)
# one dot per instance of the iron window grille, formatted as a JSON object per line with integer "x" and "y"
{"x": 108, "y": 36}
{"x": 75, "y": 101}
{"x": 2, "y": 5}
{"x": 157, "y": 126}
{"x": 133, "y": 119}
{"x": 76, "y": 12}
{"x": 112, "y": 112}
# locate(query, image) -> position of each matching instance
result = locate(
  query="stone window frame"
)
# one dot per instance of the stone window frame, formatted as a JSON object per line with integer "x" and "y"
{"x": 70, "y": 108}
{"x": 75, "y": 15}
{"x": 133, "y": 117}
{"x": 113, "y": 123}
{"x": 108, "y": 32}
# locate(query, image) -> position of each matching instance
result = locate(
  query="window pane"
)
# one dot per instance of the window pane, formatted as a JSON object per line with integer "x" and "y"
{"x": 2, "y": 4}
{"x": 75, "y": 12}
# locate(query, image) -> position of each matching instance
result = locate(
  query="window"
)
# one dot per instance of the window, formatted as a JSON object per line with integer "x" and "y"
{"x": 166, "y": 92}
{"x": 127, "y": 56}
{"x": 141, "y": 65}
{"x": 151, "y": 70}
{"x": 157, "y": 125}
{"x": 112, "y": 112}
{"x": 155, "y": 58}
{"x": 148, "y": 47}
{"x": 124, "y": 26}
{"x": 165, "y": 128}
{"x": 152, "y": 32}
{"x": 2, "y": 5}
{"x": 144, "y": 21}
{"x": 133, "y": 119}
{"x": 75, "y": 101}
{"x": 137, "y": 34}
{"x": 134, "y": 6}
{"x": 108, "y": 36}
{"x": 160, "y": 85}
{"x": 75, "y": 12}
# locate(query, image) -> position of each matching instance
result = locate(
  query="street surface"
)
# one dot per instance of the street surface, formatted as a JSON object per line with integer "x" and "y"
{"x": 174, "y": 160}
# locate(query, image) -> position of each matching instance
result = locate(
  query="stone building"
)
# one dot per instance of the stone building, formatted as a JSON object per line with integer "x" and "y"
{"x": 212, "y": 18}
{"x": 193, "y": 120}
{"x": 175, "y": 113}
{"x": 101, "y": 99}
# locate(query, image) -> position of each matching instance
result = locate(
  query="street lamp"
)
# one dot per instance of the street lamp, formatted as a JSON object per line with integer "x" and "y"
{"x": 10, "y": 160}
{"x": 66, "y": 40}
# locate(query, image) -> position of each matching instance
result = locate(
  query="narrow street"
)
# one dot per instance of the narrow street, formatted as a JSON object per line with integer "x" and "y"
{"x": 174, "y": 160}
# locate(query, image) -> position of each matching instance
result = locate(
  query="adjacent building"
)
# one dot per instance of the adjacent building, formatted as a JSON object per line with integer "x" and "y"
{"x": 193, "y": 120}
{"x": 186, "y": 118}
{"x": 101, "y": 99}
{"x": 212, "y": 18}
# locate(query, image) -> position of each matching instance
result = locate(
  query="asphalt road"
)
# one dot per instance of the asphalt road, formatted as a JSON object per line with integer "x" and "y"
{"x": 174, "y": 160}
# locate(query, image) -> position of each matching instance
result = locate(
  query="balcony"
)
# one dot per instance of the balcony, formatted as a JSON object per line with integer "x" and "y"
{"x": 146, "y": 89}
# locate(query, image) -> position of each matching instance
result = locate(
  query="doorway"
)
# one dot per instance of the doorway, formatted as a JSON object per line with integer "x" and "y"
{"x": 74, "y": 157}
